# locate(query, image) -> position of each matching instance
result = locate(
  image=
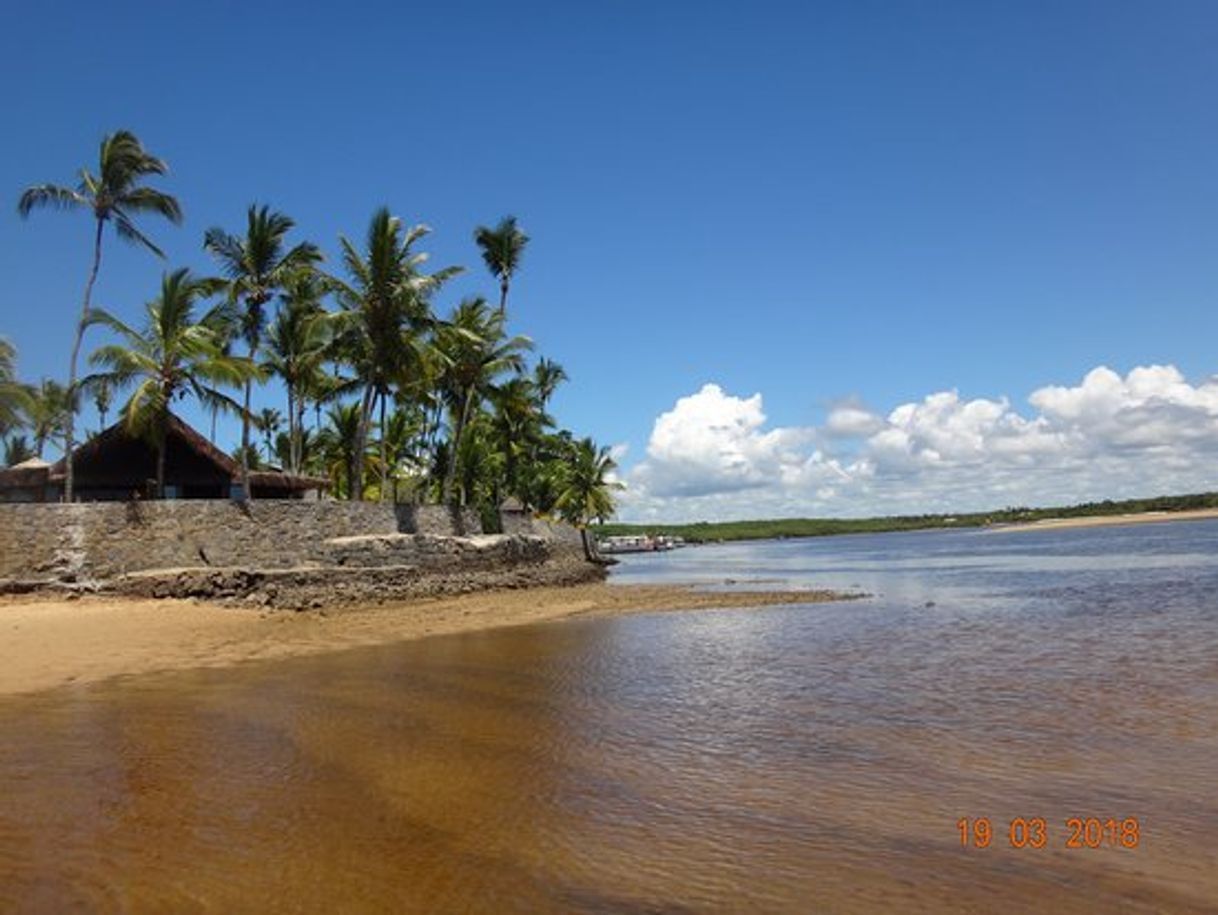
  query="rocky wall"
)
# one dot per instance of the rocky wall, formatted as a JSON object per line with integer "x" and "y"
{"x": 103, "y": 539}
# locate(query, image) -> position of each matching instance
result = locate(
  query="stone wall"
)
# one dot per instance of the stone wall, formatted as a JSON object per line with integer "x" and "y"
{"x": 103, "y": 539}
{"x": 438, "y": 520}
{"x": 490, "y": 562}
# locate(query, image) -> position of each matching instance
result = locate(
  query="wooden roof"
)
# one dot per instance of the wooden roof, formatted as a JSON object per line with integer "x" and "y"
{"x": 117, "y": 445}
{"x": 118, "y": 434}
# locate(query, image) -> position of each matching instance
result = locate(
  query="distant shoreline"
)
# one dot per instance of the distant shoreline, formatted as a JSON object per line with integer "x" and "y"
{"x": 1126, "y": 511}
{"x": 1053, "y": 524}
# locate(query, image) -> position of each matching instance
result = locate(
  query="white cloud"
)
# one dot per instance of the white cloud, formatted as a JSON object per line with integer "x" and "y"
{"x": 711, "y": 442}
{"x": 1149, "y": 432}
{"x": 851, "y": 420}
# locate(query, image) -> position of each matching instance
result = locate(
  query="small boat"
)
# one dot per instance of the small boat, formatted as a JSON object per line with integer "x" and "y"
{"x": 635, "y": 543}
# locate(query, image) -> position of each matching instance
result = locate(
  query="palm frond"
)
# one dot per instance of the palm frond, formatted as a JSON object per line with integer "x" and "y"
{"x": 226, "y": 249}
{"x": 100, "y": 316}
{"x": 150, "y": 200}
{"x": 127, "y": 231}
{"x": 49, "y": 195}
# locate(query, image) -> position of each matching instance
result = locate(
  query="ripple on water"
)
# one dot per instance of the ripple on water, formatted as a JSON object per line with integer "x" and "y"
{"x": 716, "y": 761}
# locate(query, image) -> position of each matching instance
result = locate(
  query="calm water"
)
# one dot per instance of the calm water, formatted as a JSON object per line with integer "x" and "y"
{"x": 811, "y": 758}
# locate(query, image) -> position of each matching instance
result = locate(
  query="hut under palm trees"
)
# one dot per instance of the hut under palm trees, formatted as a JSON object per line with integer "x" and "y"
{"x": 117, "y": 465}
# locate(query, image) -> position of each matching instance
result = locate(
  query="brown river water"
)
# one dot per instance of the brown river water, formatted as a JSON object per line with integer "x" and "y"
{"x": 792, "y": 759}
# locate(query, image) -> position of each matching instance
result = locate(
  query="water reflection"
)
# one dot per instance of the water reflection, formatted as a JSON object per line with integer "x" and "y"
{"x": 782, "y": 760}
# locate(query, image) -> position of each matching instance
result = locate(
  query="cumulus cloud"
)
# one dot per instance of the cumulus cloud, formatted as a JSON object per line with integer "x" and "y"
{"x": 1149, "y": 432}
{"x": 712, "y": 442}
{"x": 852, "y": 420}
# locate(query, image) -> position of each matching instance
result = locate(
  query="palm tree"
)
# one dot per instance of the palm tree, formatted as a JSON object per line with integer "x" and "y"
{"x": 585, "y": 489}
{"x": 480, "y": 469}
{"x": 269, "y": 421}
{"x": 547, "y": 376}
{"x": 517, "y": 423}
{"x": 308, "y": 451}
{"x": 257, "y": 265}
{"x": 15, "y": 397}
{"x": 115, "y": 194}
{"x": 478, "y": 352}
{"x": 427, "y": 395}
{"x": 545, "y": 473}
{"x": 172, "y": 356}
{"x": 502, "y": 248}
{"x": 16, "y": 450}
{"x": 296, "y": 348}
{"x": 338, "y": 443}
{"x": 397, "y": 446}
{"x": 385, "y": 310}
{"x": 47, "y": 414}
{"x": 102, "y": 400}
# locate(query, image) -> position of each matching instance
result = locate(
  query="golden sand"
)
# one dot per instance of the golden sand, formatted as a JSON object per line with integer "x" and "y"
{"x": 1052, "y": 524}
{"x": 47, "y": 642}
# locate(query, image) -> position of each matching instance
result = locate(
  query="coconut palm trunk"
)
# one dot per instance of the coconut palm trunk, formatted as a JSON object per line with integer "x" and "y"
{"x": 450, "y": 472}
{"x": 356, "y": 493}
{"x": 295, "y": 437}
{"x": 384, "y": 453}
{"x": 246, "y": 495}
{"x": 300, "y": 420}
{"x": 69, "y": 428}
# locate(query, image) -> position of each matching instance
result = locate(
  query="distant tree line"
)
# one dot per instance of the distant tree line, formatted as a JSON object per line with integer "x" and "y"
{"x": 709, "y": 532}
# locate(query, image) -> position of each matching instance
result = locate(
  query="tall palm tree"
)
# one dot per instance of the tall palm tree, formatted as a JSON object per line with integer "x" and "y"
{"x": 297, "y": 345}
{"x": 585, "y": 490}
{"x": 478, "y": 352}
{"x": 502, "y": 250}
{"x": 385, "y": 309}
{"x": 115, "y": 194}
{"x": 173, "y": 355}
{"x": 257, "y": 265}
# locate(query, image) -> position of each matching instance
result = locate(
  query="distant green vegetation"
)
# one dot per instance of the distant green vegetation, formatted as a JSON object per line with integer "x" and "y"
{"x": 705, "y": 531}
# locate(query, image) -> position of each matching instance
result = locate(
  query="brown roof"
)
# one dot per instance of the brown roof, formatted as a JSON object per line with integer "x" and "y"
{"x": 192, "y": 439}
{"x": 29, "y": 473}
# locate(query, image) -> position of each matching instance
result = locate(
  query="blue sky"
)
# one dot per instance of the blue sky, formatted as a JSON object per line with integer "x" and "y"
{"x": 827, "y": 204}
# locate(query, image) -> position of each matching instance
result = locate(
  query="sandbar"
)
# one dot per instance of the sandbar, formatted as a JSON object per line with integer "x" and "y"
{"x": 1051, "y": 524}
{"x": 48, "y": 641}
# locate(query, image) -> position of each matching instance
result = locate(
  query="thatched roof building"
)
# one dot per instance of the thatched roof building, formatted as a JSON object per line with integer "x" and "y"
{"x": 116, "y": 465}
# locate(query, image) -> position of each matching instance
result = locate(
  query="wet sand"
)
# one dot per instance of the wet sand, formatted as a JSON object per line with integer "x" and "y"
{"x": 48, "y": 642}
{"x": 1053, "y": 524}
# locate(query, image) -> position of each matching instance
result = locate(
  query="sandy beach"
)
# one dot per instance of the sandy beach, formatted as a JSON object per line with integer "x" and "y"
{"x": 49, "y": 642}
{"x": 1050, "y": 524}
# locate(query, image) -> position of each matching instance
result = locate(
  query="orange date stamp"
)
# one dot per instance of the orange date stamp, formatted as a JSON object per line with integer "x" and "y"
{"x": 1037, "y": 832}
